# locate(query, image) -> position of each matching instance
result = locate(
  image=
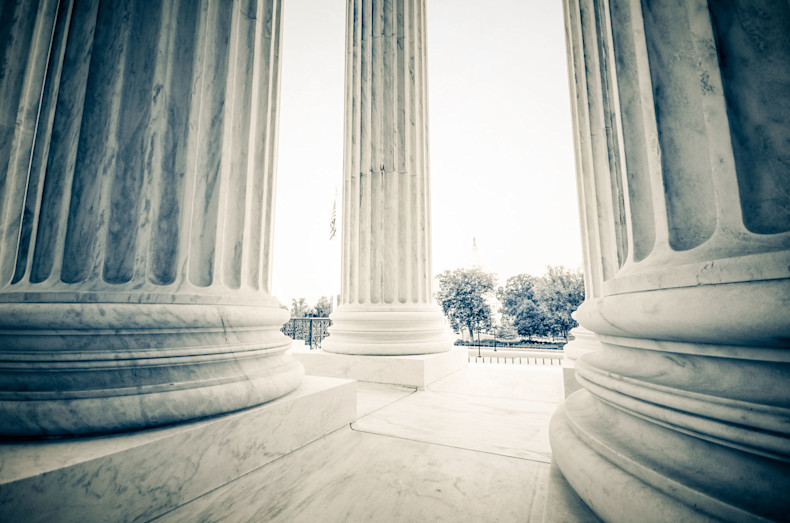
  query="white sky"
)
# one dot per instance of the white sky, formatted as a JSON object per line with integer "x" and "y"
{"x": 502, "y": 167}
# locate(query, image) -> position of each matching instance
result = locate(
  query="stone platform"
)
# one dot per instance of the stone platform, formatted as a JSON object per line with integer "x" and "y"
{"x": 417, "y": 371}
{"x": 472, "y": 447}
{"x": 142, "y": 475}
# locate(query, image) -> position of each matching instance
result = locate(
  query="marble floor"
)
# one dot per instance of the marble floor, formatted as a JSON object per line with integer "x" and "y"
{"x": 472, "y": 447}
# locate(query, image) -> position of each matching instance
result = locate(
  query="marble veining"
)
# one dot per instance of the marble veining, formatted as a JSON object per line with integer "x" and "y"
{"x": 138, "y": 148}
{"x": 373, "y": 396}
{"x": 516, "y": 428}
{"x": 503, "y": 381}
{"x": 489, "y": 409}
{"x": 136, "y": 476}
{"x": 356, "y": 475}
{"x": 352, "y": 476}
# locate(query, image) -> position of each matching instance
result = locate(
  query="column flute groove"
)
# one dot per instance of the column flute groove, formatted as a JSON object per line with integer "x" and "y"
{"x": 274, "y": 28}
{"x": 582, "y": 340}
{"x": 52, "y": 69}
{"x": 18, "y": 121}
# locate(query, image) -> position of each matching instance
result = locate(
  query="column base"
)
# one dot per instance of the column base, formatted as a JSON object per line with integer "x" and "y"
{"x": 611, "y": 492}
{"x": 668, "y": 431}
{"x": 562, "y": 503}
{"x": 388, "y": 331}
{"x": 411, "y": 371}
{"x": 139, "y": 476}
{"x": 583, "y": 342}
{"x": 76, "y": 367}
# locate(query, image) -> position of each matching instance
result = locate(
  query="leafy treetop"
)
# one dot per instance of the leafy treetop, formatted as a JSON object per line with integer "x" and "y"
{"x": 300, "y": 308}
{"x": 463, "y": 295}
{"x": 540, "y": 306}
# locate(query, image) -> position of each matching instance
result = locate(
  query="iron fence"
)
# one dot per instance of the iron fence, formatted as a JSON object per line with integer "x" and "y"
{"x": 530, "y": 359}
{"x": 494, "y": 343}
{"x": 311, "y": 330}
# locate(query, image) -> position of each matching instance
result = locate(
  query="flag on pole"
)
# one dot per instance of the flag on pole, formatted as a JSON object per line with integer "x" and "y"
{"x": 333, "y": 221}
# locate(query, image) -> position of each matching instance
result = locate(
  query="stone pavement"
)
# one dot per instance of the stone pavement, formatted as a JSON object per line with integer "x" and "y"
{"x": 473, "y": 447}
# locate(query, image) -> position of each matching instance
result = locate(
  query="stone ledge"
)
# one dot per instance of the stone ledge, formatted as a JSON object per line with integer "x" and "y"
{"x": 138, "y": 476}
{"x": 411, "y": 371}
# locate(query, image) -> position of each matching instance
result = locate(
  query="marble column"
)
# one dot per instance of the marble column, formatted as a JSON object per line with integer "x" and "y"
{"x": 386, "y": 305}
{"x": 591, "y": 202}
{"x": 683, "y": 125}
{"x": 138, "y": 149}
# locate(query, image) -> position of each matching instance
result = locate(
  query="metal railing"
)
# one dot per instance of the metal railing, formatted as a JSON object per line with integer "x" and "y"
{"x": 519, "y": 343}
{"x": 527, "y": 359}
{"x": 311, "y": 330}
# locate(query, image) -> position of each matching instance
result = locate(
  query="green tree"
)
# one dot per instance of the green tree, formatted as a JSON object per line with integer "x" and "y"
{"x": 322, "y": 309}
{"x": 299, "y": 308}
{"x": 463, "y": 297}
{"x": 520, "y": 305}
{"x": 506, "y": 329}
{"x": 560, "y": 293}
{"x": 540, "y": 306}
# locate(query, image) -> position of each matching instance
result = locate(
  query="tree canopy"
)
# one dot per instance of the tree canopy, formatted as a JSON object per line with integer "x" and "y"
{"x": 541, "y": 306}
{"x": 561, "y": 293}
{"x": 463, "y": 295}
{"x": 322, "y": 309}
{"x": 300, "y": 308}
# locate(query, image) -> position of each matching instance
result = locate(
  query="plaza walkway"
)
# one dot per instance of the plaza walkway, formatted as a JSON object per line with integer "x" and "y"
{"x": 473, "y": 447}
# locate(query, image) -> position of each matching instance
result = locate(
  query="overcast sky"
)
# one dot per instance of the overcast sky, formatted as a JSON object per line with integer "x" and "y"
{"x": 502, "y": 167}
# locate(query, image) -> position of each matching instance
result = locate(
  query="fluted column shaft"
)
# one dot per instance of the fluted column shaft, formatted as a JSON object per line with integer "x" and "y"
{"x": 386, "y": 304}
{"x": 138, "y": 141}
{"x": 681, "y": 119}
{"x": 583, "y": 340}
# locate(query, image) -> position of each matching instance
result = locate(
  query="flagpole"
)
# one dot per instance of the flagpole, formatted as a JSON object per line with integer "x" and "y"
{"x": 332, "y": 234}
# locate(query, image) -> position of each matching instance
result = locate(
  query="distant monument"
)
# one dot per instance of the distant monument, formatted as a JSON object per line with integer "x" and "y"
{"x": 475, "y": 261}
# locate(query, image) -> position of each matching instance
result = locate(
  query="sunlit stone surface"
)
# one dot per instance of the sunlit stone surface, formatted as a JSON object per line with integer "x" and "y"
{"x": 139, "y": 475}
{"x": 682, "y": 118}
{"x": 386, "y": 305}
{"x": 137, "y": 145}
{"x": 415, "y": 370}
{"x": 474, "y": 448}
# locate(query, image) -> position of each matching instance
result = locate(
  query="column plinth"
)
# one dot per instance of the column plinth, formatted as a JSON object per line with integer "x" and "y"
{"x": 386, "y": 304}
{"x": 137, "y": 200}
